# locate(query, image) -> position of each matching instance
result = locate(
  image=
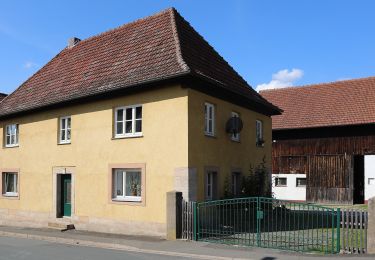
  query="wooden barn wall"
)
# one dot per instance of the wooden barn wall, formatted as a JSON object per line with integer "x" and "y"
{"x": 334, "y": 145}
{"x": 290, "y": 156}
{"x": 330, "y": 179}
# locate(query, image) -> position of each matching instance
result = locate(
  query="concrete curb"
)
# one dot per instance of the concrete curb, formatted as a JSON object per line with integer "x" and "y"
{"x": 112, "y": 246}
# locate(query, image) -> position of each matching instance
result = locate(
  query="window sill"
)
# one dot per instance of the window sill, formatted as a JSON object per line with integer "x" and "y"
{"x": 126, "y": 137}
{"x": 235, "y": 140}
{"x": 140, "y": 203}
{"x": 283, "y": 186}
{"x": 11, "y": 146}
{"x": 64, "y": 143}
{"x": 10, "y": 196}
{"x": 127, "y": 200}
{"x": 210, "y": 135}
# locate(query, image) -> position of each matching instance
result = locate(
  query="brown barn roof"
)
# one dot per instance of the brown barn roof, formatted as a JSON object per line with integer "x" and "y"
{"x": 349, "y": 102}
{"x": 159, "y": 47}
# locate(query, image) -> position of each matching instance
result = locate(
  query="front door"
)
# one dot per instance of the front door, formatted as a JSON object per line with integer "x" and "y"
{"x": 67, "y": 194}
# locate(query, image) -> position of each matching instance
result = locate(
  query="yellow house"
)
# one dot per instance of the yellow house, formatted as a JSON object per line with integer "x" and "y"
{"x": 100, "y": 134}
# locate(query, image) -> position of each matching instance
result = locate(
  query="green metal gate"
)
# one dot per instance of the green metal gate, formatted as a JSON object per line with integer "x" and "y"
{"x": 267, "y": 222}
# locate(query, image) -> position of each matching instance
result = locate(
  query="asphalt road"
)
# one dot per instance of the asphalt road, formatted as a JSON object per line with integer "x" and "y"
{"x": 18, "y": 248}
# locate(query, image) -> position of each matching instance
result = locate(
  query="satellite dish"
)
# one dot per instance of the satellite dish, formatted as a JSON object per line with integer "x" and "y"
{"x": 234, "y": 125}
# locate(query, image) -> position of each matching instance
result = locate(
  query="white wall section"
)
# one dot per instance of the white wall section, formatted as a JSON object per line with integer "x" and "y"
{"x": 290, "y": 191}
{"x": 369, "y": 176}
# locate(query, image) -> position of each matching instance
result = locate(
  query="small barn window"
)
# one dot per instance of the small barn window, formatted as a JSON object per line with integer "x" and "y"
{"x": 301, "y": 182}
{"x": 280, "y": 182}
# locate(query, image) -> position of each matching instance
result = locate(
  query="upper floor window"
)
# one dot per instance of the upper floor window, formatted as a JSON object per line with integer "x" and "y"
{"x": 235, "y": 136}
{"x": 10, "y": 184}
{"x": 259, "y": 133}
{"x": 209, "y": 115}
{"x": 128, "y": 121}
{"x": 65, "y": 129}
{"x": 11, "y": 135}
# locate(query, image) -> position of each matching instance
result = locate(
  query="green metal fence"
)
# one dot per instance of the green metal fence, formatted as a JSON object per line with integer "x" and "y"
{"x": 267, "y": 222}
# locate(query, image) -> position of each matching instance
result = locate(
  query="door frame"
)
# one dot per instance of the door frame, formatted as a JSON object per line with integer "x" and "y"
{"x": 55, "y": 190}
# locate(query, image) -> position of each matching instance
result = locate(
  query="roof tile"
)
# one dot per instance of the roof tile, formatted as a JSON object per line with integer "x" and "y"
{"x": 154, "y": 48}
{"x": 349, "y": 102}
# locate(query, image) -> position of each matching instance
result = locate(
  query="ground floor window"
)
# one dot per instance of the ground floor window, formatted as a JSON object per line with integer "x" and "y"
{"x": 10, "y": 183}
{"x": 127, "y": 184}
{"x": 211, "y": 183}
{"x": 280, "y": 182}
{"x": 236, "y": 186}
{"x": 301, "y": 182}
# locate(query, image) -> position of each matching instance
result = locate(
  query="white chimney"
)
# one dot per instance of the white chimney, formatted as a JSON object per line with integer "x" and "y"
{"x": 73, "y": 42}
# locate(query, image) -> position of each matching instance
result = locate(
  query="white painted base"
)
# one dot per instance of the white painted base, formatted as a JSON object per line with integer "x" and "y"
{"x": 369, "y": 176}
{"x": 290, "y": 191}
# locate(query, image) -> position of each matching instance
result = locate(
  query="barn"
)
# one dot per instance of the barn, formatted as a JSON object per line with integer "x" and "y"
{"x": 324, "y": 142}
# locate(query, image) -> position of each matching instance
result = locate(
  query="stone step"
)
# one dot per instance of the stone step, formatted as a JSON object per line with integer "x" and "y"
{"x": 60, "y": 226}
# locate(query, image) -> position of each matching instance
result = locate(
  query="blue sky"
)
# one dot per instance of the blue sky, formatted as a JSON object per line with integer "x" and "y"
{"x": 274, "y": 43}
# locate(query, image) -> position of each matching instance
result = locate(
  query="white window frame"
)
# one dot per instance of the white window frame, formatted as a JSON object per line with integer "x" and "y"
{"x": 65, "y": 128}
{"x": 209, "y": 185}
{"x": 207, "y": 119}
{"x": 235, "y": 137}
{"x": 211, "y": 182}
{"x": 15, "y": 182}
{"x": 10, "y": 134}
{"x": 124, "y": 197}
{"x": 259, "y": 132}
{"x": 123, "y": 121}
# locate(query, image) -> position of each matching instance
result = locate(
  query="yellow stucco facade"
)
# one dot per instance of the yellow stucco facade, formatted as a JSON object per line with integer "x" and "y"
{"x": 173, "y": 139}
{"x": 220, "y": 152}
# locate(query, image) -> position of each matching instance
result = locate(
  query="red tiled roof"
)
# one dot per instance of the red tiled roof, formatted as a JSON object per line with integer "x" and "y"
{"x": 155, "y": 48}
{"x": 2, "y": 96}
{"x": 349, "y": 102}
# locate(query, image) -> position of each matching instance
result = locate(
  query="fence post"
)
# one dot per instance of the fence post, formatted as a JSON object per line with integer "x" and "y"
{"x": 258, "y": 222}
{"x": 195, "y": 221}
{"x": 371, "y": 226}
{"x": 338, "y": 246}
{"x": 174, "y": 215}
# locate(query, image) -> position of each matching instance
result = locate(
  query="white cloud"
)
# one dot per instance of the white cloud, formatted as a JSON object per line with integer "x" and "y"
{"x": 29, "y": 65}
{"x": 281, "y": 79}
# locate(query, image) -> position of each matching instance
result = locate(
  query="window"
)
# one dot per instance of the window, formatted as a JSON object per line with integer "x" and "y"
{"x": 236, "y": 183}
{"x": 127, "y": 184}
{"x": 236, "y": 136}
{"x": 259, "y": 133}
{"x": 371, "y": 181}
{"x": 10, "y": 184}
{"x": 301, "y": 182}
{"x": 128, "y": 121}
{"x": 209, "y": 113}
{"x": 65, "y": 129}
{"x": 280, "y": 182}
{"x": 211, "y": 185}
{"x": 11, "y": 135}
